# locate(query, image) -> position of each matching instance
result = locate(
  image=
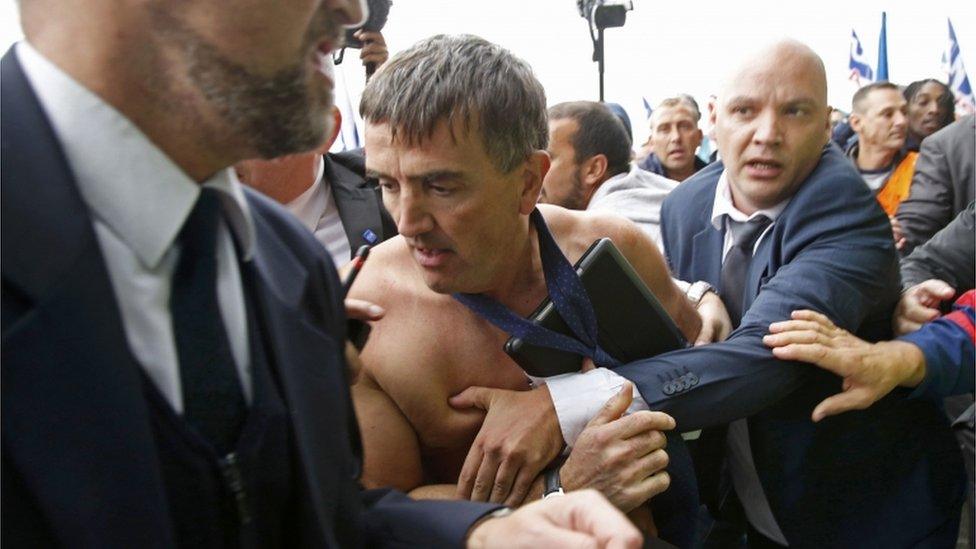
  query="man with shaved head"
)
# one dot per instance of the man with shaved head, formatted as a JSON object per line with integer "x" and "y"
{"x": 783, "y": 221}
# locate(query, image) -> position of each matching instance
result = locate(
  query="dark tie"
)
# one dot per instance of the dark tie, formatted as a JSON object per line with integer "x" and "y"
{"x": 213, "y": 402}
{"x": 735, "y": 268}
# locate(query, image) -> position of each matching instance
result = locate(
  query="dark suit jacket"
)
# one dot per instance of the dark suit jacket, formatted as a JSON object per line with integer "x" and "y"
{"x": 888, "y": 476}
{"x": 944, "y": 182}
{"x": 78, "y": 454}
{"x": 358, "y": 199}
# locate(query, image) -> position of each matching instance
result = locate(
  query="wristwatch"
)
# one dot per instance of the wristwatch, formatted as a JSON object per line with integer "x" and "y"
{"x": 697, "y": 291}
{"x": 554, "y": 486}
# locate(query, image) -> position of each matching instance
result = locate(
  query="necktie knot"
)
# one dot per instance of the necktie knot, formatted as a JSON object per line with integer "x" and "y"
{"x": 747, "y": 233}
{"x": 199, "y": 232}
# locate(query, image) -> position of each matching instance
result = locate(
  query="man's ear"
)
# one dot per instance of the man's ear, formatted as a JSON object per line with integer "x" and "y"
{"x": 593, "y": 170}
{"x": 534, "y": 170}
{"x": 856, "y": 122}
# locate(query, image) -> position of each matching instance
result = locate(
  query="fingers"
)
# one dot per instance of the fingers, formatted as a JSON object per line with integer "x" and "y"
{"x": 368, "y": 37}
{"x": 706, "y": 335}
{"x": 814, "y": 316}
{"x": 824, "y": 357}
{"x": 469, "y": 471}
{"x": 651, "y": 463}
{"x": 363, "y": 310}
{"x": 854, "y": 399}
{"x": 523, "y": 482}
{"x": 642, "y": 422}
{"x": 472, "y": 397}
{"x": 796, "y": 336}
{"x": 502, "y": 485}
{"x": 933, "y": 289}
{"x": 483, "y": 482}
{"x": 614, "y": 407}
{"x": 653, "y": 485}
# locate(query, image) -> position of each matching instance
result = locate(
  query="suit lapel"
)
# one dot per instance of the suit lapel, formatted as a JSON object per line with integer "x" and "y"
{"x": 76, "y": 426}
{"x": 359, "y": 207}
{"x": 707, "y": 255}
{"x": 304, "y": 362}
{"x": 757, "y": 270}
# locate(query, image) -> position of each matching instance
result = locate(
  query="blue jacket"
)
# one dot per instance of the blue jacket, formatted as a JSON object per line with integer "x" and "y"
{"x": 889, "y": 476}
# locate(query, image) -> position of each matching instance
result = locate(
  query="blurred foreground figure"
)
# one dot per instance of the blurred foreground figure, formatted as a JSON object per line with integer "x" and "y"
{"x": 171, "y": 342}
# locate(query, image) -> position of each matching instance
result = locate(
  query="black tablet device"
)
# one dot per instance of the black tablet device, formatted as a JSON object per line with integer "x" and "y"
{"x": 631, "y": 322}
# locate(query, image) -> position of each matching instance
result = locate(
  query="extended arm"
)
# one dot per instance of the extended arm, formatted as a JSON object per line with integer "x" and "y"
{"x": 936, "y": 360}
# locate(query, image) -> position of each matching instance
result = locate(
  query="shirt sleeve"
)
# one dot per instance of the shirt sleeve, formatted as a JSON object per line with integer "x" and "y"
{"x": 578, "y": 397}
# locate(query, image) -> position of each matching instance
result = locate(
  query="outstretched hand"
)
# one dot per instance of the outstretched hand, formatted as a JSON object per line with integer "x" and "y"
{"x": 870, "y": 371}
{"x": 519, "y": 437}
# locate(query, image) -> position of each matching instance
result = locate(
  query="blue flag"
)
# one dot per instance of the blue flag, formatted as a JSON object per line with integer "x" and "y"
{"x": 883, "y": 49}
{"x": 958, "y": 80}
{"x": 859, "y": 65}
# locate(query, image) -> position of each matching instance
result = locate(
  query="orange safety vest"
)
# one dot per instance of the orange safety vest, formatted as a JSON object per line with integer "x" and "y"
{"x": 896, "y": 188}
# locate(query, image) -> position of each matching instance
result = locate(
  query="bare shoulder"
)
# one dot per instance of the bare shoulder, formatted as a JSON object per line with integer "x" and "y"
{"x": 575, "y": 230}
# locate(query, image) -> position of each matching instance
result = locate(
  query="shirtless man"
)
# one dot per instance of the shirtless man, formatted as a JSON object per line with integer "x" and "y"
{"x": 455, "y": 134}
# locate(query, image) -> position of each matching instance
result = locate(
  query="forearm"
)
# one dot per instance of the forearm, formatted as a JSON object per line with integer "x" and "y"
{"x": 449, "y": 491}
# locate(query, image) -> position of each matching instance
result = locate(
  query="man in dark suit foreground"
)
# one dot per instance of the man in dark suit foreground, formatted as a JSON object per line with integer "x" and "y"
{"x": 785, "y": 223}
{"x": 171, "y": 364}
{"x": 328, "y": 193}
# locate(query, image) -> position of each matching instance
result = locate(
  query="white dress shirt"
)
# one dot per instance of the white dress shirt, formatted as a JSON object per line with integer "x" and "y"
{"x": 317, "y": 210}
{"x": 138, "y": 200}
{"x": 577, "y": 397}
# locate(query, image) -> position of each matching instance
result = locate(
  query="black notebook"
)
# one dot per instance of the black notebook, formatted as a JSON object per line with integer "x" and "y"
{"x": 631, "y": 322}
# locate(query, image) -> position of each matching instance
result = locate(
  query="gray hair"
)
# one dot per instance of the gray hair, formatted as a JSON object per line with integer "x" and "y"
{"x": 683, "y": 99}
{"x": 461, "y": 79}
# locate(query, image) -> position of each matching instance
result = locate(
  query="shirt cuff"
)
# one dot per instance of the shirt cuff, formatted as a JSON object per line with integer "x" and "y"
{"x": 578, "y": 397}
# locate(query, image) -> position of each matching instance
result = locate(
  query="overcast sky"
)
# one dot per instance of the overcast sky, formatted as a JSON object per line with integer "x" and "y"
{"x": 676, "y": 46}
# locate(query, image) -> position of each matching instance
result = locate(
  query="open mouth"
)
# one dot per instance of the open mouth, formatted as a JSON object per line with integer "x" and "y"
{"x": 431, "y": 257}
{"x": 763, "y": 169}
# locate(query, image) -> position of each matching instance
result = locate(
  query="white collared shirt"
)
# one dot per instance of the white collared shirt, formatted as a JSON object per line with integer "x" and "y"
{"x": 578, "y": 397}
{"x": 317, "y": 210}
{"x": 138, "y": 200}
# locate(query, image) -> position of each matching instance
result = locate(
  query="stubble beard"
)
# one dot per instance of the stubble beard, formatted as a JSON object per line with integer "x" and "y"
{"x": 274, "y": 115}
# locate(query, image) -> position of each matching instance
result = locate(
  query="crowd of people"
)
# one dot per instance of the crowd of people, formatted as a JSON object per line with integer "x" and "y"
{"x": 183, "y": 270}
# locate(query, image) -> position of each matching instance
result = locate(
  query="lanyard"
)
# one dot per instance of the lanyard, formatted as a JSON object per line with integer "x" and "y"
{"x": 568, "y": 296}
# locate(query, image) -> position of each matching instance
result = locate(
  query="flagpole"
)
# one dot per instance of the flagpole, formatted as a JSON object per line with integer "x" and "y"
{"x": 882, "y": 69}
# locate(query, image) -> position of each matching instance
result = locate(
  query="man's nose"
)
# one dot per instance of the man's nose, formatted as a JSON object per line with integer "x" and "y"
{"x": 767, "y": 130}
{"x": 350, "y": 13}
{"x": 899, "y": 119}
{"x": 412, "y": 217}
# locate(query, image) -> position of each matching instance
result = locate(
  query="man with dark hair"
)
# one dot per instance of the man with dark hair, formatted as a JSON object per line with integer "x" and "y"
{"x": 172, "y": 341}
{"x": 461, "y": 160}
{"x": 931, "y": 107}
{"x": 879, "y": 117}
{"x": 591, "y": 169}
{"x": 675, "y": 138}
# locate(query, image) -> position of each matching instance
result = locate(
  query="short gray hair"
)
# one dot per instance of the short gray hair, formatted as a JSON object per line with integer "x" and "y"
{"x": 461, "y": 79}
{"x": 683, "y": 99}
